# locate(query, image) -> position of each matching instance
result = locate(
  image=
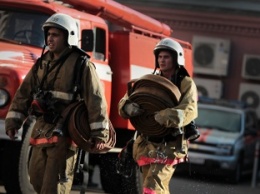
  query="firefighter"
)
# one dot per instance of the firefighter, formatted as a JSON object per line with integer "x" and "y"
{"x": 158, "y": 156}
{"x": 46, "y": 91}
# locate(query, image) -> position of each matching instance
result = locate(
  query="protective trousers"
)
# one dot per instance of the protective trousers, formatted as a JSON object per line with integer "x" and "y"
{"x": 156, "y": 178}
{"x": 45, "y": 168}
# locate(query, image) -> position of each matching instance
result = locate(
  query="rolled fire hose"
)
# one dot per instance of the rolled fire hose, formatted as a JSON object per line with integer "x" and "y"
{"x": 76, "y": 116}
{"x": 152, "y": 93}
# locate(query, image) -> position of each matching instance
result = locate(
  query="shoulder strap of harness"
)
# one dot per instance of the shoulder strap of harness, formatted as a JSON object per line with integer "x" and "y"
{"x": 79, "y": 69}
{"x": 179, "y": 76}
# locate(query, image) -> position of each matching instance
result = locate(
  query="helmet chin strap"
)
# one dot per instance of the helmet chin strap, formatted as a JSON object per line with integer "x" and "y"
{"x": 43, "y": 49}
{"x": 154, "y": 70}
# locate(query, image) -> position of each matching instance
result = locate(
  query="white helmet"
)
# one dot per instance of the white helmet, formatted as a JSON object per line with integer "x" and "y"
{"x": 171, "y": 45}
{"x": 64, "y": 22}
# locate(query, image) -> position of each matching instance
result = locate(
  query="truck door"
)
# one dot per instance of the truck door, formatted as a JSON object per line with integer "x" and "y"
{"x": 95, "y": 43}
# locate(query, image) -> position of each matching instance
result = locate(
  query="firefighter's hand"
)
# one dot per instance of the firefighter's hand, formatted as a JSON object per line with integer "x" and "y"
{"x": 159, "y": 118}
{"x": 12, "y": 133}
{"x": 133, "y": 109}
{"x": 170, "y": 117}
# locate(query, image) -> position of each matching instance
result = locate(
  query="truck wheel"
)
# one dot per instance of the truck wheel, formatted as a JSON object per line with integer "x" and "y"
{"x": 24, "y": 178}
{"x": 112, "y": 182}
{"x": 9, "y": 168}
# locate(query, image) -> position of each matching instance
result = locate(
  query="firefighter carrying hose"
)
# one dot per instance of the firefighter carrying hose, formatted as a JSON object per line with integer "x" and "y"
{"x": 158, "y": 155}
{"x": 45, "y": 93}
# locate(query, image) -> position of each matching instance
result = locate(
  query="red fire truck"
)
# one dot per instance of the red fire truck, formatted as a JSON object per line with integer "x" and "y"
{"x": 119, "y": 40}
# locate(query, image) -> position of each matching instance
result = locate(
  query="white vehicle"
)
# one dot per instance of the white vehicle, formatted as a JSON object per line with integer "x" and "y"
{"x": 228, "y": 134}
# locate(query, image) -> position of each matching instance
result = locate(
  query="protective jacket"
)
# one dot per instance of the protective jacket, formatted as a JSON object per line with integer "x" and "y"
{"x": 53, "y": 82}
{"x": 175, "y": 149}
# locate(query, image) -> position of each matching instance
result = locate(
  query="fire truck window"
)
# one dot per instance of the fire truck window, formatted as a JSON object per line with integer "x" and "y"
{"x": 94, "y": 41}
{"x": 87, "y": 42}
{"x": 100, "y": 44}
{"x": 23, "y": 27}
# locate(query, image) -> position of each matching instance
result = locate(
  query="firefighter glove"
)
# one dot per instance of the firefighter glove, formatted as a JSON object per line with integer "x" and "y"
{"x": 170, "y": 117}
{"x": 132, "y": 109}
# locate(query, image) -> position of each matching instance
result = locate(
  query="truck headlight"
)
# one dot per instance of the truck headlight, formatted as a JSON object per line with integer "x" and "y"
{"x": 4, "y": 97}
{"x": 224, "y": 149}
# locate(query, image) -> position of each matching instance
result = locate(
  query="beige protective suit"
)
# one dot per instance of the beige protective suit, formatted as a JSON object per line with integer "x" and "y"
{"x": 51, "y": 150}
{"x": 158, "y": 159}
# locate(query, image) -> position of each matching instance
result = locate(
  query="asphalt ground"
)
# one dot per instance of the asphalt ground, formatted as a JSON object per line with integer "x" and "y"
{"x": 193, "y": 184}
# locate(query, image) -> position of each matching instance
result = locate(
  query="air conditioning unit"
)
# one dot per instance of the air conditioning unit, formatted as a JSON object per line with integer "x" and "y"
{"x": 209, "y": 88}
{"x": 251, "y": 67}
{"x": 210, "y": 55}
{"x": 250, "y": 94}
